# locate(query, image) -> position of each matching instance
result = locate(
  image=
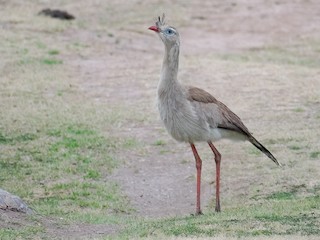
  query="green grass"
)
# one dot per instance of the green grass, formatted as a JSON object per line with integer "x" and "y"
{"x": 254, "y": 151}
{"x": 27, "y": 232}
{"x": 18, "y": 138}
{"x": 294, "y": 147}
{"x": 271, "y": 218}
{"x": 159, "y": 143}
{"x": 51, "y": 61}
{"x": 53, "y": 52}
{"x": 61, "y": 172}
{"x": 282, "y": 196}
{"x": 312, "y": 154}
{"x": 280, "y": 140}
{"x": 130, "y": 143}
{"x": 64, "y": 199}
{"x": 298, "y": 110}
{"x": 39, "y": 159}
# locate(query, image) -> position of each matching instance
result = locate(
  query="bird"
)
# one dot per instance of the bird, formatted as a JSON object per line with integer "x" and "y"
{"x": 191, "y": 114}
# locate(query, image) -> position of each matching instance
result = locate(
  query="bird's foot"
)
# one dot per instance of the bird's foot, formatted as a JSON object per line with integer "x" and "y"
{"x": 197, "y": 213}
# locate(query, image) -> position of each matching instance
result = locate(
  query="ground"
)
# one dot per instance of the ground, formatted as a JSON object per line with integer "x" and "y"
{"x": 261, "y": 58}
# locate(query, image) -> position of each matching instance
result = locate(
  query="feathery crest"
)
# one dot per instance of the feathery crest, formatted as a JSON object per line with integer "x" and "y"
{"x": 160, "y": 21}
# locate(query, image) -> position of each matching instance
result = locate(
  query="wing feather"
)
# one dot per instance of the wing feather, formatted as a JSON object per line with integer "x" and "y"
{"x": 227, "y": 119}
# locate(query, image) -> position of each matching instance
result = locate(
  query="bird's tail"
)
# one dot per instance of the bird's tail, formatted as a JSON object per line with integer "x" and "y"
{"x": 263, "y": 149}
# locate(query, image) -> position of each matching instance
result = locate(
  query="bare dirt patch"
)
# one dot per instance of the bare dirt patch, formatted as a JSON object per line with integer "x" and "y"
{"x": 78, "y": 231}
{"x": 54, "y": 228}
{"x": 11, "y": 219}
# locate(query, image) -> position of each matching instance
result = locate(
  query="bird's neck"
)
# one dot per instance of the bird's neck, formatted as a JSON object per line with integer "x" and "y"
{"x": 170, "y": 65}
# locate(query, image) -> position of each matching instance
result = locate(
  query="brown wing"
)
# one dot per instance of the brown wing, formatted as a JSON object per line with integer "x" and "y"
{"x": 228, "y": 119}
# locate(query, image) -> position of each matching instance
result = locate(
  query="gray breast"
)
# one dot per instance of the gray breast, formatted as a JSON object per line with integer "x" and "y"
{"x": 181, "y": 119}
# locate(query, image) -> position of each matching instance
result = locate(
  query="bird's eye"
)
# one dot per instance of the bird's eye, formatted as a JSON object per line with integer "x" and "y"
{"x": 169, "y": 31}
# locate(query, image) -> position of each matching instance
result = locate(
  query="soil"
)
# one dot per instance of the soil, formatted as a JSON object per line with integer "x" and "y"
{"x": 124, "y": 70}
{"x": 55, "y": 228}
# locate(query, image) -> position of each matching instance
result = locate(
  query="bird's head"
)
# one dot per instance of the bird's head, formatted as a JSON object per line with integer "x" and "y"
{"x": 169, "y": 35}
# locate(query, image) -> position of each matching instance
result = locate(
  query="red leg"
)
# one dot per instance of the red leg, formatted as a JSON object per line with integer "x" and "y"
{"x": 198, "y": 166}
{"x": 217, "y": 158}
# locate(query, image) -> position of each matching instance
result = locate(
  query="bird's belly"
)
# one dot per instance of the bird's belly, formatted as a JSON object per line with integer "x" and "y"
{"x": 185, "y": 132}
{"x": 184, "y": 125}
{"x": 219, "y": 133}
